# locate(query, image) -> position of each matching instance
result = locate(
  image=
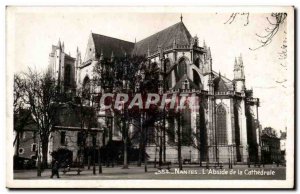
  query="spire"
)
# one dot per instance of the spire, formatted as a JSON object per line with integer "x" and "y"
{"x": 59, "y": 43}
{"x": 235, "y": 64}
{"x": 63, "y": 46}
{"x": 241, "y": 61}
{"x": 208, "y": 53}
{"x": 181, "y": 17}
{"x": 196, "y": 40}
{"x": 204, "y": 44}
{"x": 239, "y": 68}
{"x": 134, "y": 40}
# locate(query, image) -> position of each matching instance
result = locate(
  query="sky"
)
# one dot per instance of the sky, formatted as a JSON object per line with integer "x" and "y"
{"x": 36, "y": 29}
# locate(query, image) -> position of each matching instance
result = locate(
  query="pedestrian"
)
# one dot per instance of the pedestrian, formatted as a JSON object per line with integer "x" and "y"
{"x": 55, "y": 168}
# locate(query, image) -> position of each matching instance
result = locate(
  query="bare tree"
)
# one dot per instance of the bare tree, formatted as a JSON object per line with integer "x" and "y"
{"x": 21, "y": 115}
{"x": 41, "y": 97}
{"x": 276, "y": 20}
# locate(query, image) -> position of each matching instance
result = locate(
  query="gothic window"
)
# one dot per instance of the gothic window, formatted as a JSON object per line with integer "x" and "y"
{"x": 86, "y": 88}
{"x": 221, "y": 126}
{"x": 167, "y": 65}
{"x": 67, "y": 75}
{"x": 181, "y": 69}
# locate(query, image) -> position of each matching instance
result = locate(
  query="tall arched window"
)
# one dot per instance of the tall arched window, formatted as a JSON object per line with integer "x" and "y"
{"x": 67, "y": 75}
{"x": 181, "y": 69}
{"x": 86, "y": 87}
{"x": 221, "y": 126}
{"x": 167, "y": 65}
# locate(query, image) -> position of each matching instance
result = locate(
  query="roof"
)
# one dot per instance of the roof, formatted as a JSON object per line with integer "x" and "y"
{"x": 72, "y": 115}
{"x": 107, "y": 45}
{"x": 180, "y": 82}
{"x": 25, "y": 120}
{"x": 164, "y": 38}
{"x": 222, "y": 83}
{"x": 69, "y": 57}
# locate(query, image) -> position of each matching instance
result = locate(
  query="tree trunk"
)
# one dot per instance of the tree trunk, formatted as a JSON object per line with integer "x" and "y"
{"x": 179, "y": 143}
{"x": 45, "y": 154}
{"x": 94, "y": 160}
{"x": 145, "y": 148}
{"x": 99, "y": 160}
{"x": 164, "y": 137}
{"x": 125, "y": 163}
{"x": 140, "y": 148}
{"x": 200, "y": 162}
{"x": 160, "y": 148}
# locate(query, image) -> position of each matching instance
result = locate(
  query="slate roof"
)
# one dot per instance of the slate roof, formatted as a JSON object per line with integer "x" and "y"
{"x": 70, "y": 115}
{"x": 181, "y": 81}
{"x": 222, "y": 84}
{"x": 108, "y": 45}
{"x": 164, "y": 38}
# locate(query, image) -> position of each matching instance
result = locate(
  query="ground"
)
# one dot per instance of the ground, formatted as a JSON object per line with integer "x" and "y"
{"x": 189, "y": 172}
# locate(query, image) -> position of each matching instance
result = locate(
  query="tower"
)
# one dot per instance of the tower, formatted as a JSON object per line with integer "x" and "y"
{"x": 239, "y": 76}
{"x": 77, "y": 65}
{"x": 207, "y": 68}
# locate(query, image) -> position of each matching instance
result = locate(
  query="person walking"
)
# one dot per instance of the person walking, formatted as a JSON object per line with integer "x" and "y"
{"x": 55, "y": 168}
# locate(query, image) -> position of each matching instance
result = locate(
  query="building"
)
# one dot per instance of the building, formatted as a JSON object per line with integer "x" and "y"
{"x": 62, "y": 67}
{"x": 270, "y": 146}
{"x": 76, "y": 131}
{"x": 227, "y": 120}
{"x": 26, "y": 145}
{"x": 283, "y": 145}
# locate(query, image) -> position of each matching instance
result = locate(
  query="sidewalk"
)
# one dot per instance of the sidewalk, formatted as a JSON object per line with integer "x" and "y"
{"x": 134, "y": 172}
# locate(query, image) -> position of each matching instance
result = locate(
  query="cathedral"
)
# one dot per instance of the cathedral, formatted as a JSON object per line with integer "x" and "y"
{"x": 226, "y": 123}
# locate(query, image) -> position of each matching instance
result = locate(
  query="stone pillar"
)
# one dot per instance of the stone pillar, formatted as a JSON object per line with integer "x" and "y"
{"x": 243, "y": 133}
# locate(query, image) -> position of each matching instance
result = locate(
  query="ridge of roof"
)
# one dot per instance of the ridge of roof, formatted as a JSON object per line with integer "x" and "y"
{"x": 110, "y": 37}
{"x": 164, "y": 38}
{"x": 107, "y": 45}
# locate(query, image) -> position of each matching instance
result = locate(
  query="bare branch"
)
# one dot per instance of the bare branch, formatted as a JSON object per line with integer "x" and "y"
{"x": 271, "y": 32}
